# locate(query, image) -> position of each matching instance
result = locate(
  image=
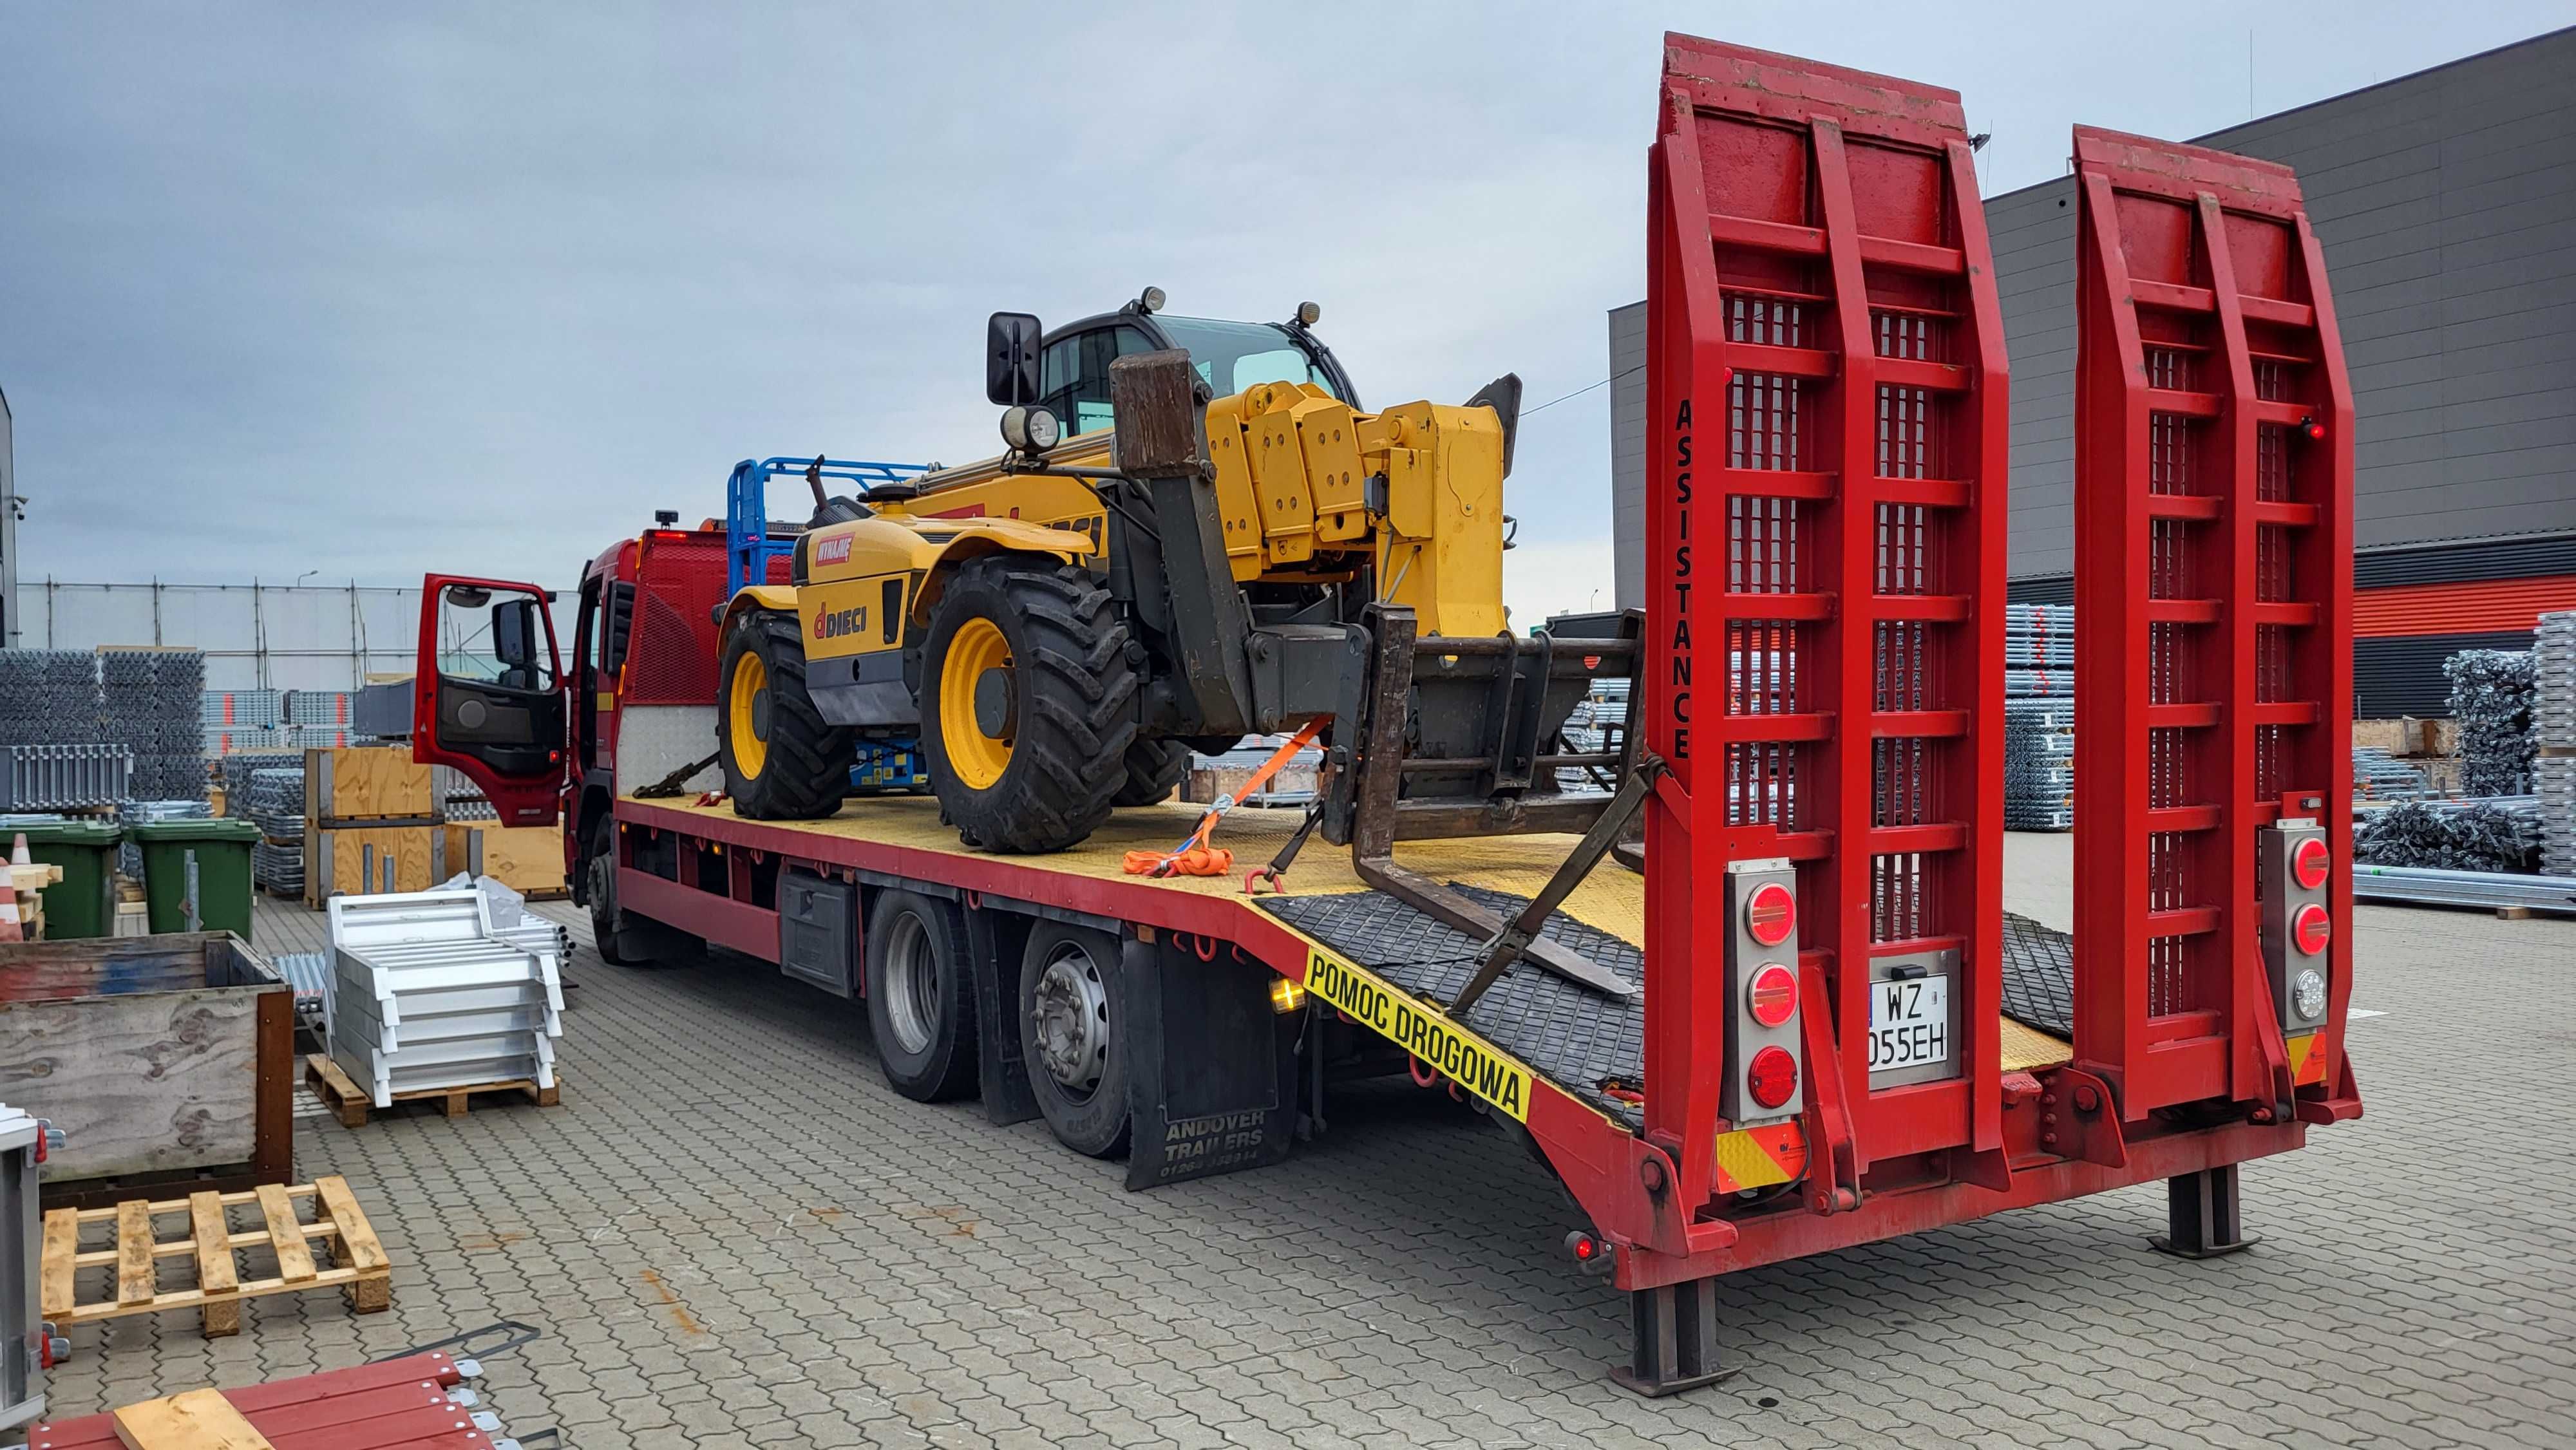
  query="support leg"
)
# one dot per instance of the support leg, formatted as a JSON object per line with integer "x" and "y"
{"x": 1676, "y": 1340}
{"x": 2204, "y": 1220}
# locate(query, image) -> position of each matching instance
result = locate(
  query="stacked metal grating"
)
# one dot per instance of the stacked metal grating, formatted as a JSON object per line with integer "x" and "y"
{"x": 2553, "y": 730}
{"x": 2491, "y": 697}
{"x": 427, "y": 994}
{"x": 328, "y": 708}
{"x": 2377, "y": 775}
{"x": 272, "y": 798}
{"x": 64, "y": 777}
{"x": 2039, "y": 717}
{"x": 49, "y": 697}
{"x": 153, "y": 701}
{"x": 239, "y": 720}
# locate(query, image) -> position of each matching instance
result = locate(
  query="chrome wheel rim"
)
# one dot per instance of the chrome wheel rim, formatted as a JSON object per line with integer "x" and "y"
{"x": 912, "y": 985}
{"x": 1070, "y": 1010}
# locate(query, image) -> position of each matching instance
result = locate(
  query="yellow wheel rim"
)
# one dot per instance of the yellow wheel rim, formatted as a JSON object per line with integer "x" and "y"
{"x": 742, "y": 699}
{"x": 977, "y": 758}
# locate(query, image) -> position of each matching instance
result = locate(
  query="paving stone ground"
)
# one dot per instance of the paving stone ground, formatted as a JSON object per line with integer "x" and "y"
{"x": 733, "y": 1233}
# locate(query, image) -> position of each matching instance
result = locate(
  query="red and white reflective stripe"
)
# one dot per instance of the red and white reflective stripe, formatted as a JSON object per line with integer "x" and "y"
{"x": 2309, "y": 861}
{"x": 1770, "y": 914}
{"x": 2311, "y": 929}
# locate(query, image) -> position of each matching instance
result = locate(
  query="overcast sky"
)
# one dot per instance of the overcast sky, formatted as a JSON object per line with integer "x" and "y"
{"x": 368, "y": 290}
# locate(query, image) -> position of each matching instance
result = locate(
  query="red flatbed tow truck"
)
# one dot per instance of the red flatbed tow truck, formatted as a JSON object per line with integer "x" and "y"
{"x": 1841, "y": 1036}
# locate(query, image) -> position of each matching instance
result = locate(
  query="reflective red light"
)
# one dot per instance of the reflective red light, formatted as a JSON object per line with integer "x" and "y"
{"x": 1773, "y": 1077}
{"x": 1585, "y": 1248}
{"x": 1772, "y": 995}
{"x": 2312, "y": 428}
{"x": 1771, "y": 914}
{"x": 2308, "y": 862}
{"x": 2311, "y": 929}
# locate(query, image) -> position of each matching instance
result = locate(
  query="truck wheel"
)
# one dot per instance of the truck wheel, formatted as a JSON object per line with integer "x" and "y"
{"x": 1154, "y": 771}
{"x": 782, "y": 761}
{"x": 921, "y": 997}
{"x": 1027, "y": 704}
{"x": 1072, "y": 1014}
{"x": 601, "y": 886}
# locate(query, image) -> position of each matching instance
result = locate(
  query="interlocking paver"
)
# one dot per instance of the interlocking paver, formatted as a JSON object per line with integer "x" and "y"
{"x": 733, "y": 1233}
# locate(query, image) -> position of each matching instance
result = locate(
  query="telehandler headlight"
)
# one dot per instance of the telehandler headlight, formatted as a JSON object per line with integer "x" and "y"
{"x": 1150, "y": 300}
{"x": 1030, "y": 430}
{"x": 1308, "y": 314}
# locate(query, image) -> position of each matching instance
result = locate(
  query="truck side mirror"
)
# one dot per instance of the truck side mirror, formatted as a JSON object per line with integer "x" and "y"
{"x": 514, "y": 632}
{"x": 1159, "y": 408}
{"x": 1011, "y": 358}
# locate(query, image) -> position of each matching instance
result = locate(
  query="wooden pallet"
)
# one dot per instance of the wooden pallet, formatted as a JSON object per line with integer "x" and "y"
{"x": 357, "y": 1261}
{"x": 342, "y": 1095}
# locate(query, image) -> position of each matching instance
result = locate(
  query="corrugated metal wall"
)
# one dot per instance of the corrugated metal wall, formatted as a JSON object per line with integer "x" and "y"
{"x": 2446, "y": 201}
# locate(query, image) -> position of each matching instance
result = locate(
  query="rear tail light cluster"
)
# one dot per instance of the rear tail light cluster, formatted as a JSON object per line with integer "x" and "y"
{"x": 2296, "y": 875}
{"x": 1762, "y": 1050}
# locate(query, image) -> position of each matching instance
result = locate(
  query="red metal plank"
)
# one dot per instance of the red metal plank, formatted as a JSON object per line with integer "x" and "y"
{"x": 1818, "y": 260}
{"x": 2213, "y": 540}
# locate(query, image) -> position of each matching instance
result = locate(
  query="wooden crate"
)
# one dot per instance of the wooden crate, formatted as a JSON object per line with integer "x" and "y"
{"x": 342, "y": 1095}
{"x": 527, "y": 859}
{"x": 160, "y": 1058}
{"x": 356, "y": 1261}
{"x": 349, "y": 860}
{"x": 365, "y": 783}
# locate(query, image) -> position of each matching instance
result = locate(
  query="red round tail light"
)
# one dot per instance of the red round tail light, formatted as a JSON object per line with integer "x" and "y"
{"x": 1773, "y": 1077}
{"x": 2308, "y": 862}
{"x": 1771, "y": 914}
{"x": 1772, "y": 995}
{"x": 2311, "y": 929}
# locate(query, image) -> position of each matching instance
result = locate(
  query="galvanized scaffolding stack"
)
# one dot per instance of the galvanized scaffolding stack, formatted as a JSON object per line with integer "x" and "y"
{"x": 2039, "y": 717}
{"x": 269, "y": 791}
{"x": 2553, "y": 728}
{"x": 153, "y": 701}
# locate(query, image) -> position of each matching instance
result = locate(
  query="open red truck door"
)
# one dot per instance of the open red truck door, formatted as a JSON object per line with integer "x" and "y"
{"x": 488, "y": 694}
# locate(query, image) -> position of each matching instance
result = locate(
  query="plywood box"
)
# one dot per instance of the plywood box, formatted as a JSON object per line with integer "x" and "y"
{"x": 157, "y": 1056}
{"x": 350, "y": 860}
{"x": 527, "y": 859}
{"x": 367, "y": 783}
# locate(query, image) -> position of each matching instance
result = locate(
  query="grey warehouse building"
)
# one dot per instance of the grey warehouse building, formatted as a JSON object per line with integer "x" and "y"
{"x": 2446, "y": 203}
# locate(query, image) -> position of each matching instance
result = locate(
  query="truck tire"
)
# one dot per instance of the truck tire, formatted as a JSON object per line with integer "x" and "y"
{"x": 623, "y": 938}
{"x": 1154, "y": 770}
{"x": 782, "y": 761}
{"x": 921, "y": 997}
{"x": 1027, "y": 704}
{"x": 1072, "y": 1017}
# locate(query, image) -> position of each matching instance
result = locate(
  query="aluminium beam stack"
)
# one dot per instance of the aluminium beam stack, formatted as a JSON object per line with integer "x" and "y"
{"x": 2553, "y": 729}
{"x": 427, "y": 995}
{"x": 2039, "y": 717}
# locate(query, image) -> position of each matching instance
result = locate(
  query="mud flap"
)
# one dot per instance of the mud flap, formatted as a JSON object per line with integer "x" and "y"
{"x": 997, "y": 940}
{"x": 1211, "y": 1068}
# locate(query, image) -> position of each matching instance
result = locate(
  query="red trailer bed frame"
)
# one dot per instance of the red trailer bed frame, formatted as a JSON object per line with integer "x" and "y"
{"x": 1828, "y": 492}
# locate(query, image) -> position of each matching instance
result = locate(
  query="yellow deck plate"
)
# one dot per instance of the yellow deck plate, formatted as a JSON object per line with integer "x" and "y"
{"x": 1611, "y": 899}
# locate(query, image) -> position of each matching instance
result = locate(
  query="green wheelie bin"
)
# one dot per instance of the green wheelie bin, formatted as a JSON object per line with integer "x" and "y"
{"x": 83, "y": 903}
{"x": 222, "y": 848}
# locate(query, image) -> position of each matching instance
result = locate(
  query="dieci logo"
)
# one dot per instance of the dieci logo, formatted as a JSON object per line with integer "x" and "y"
{"x": 834, "y": 550}
{"x": 832, "y": 623}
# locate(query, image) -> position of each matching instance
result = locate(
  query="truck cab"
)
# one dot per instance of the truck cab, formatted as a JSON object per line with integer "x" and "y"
{"x": 1073, "y": 365}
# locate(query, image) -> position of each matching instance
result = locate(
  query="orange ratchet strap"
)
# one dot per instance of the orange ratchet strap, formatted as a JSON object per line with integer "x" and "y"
{"x": 1194, "y": 856}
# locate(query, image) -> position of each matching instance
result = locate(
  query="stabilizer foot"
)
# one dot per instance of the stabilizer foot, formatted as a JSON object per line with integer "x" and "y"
{"x": 1676, "y": 1340}
{"x": 2203, "y": 1216}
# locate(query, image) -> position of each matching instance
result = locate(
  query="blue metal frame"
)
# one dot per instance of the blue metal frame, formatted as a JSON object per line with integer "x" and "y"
{"x": 748, "y": 547}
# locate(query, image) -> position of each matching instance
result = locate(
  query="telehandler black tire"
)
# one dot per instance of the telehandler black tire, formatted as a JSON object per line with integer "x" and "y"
{"x": 782, "y": 760}
{"x": 1027, "y": 703}
{"x": 1154, "y": 771}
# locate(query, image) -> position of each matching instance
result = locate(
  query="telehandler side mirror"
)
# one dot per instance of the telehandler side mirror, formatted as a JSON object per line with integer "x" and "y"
{"x": 1011, "y": 358}
{"x": 1160, "y": 412}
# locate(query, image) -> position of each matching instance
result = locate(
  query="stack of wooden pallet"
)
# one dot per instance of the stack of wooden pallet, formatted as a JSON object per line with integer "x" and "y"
{"x": 375, "y": 820}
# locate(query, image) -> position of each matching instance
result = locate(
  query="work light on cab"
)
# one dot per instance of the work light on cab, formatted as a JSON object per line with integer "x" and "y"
{"x": 2311, "y": 929}
{"x": 1030, "y": 430}
{"x": 1773, "y": 1078}
{"x": 1772, "y": 995}
{"x": 2310, "y": 863}
{"x": 1771, "y": 915}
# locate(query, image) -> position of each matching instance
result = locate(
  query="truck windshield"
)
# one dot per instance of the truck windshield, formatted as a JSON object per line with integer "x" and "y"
{"x": 1233, "y": 356}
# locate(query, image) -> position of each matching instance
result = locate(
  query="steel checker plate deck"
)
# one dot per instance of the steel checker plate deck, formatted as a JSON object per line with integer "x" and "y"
{"x": 2213, "y": 544}
{"x": 1827, "y": 435}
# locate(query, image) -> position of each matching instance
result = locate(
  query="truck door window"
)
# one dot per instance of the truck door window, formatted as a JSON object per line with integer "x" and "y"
{"x": 1074, "y": 375}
